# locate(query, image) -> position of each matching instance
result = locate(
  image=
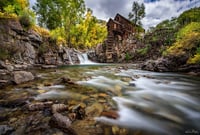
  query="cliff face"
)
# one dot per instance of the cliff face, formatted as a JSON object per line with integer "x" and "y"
{"x": 28, "y": 47}
{"x": 16, "y": 44}
{"x": 23, "y": 49}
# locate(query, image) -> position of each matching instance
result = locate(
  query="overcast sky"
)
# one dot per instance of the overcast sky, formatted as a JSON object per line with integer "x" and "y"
{"x": 156, "y": 10}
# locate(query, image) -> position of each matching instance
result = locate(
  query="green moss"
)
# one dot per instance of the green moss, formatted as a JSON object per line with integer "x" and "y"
{"x": 4, "y": 54}
{"x": 43, "y": 48}
{"x": 143, "y": 51}
{"x": 128, "y": 57}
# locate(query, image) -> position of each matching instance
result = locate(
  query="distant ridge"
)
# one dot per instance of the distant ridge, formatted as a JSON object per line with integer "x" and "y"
{"x": 191, "y": 4}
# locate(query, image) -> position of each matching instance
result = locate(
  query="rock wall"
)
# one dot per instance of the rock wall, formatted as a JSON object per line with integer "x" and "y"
{"x": 24, "y": 49}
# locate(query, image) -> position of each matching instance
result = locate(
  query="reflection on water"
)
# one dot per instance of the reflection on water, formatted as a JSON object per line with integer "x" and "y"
{"x": 159, "y": 103}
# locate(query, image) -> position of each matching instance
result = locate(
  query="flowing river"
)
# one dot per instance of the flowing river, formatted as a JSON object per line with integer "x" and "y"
{"x": 146, "y": 102}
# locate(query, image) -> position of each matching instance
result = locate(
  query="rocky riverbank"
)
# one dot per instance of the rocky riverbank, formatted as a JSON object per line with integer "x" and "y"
{"x": 33, "y": 110}
{"x": 171, "y": 65}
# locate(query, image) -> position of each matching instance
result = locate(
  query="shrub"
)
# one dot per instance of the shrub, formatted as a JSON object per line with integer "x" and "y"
{"x": 9, "y": 9}
{"x": 143, "y": 51}
{"x": 186, "y": 45}
{"x": 127, "y": 56}
{"x": 8, "y": 50}
{"x": 192, "y": 27}
{"x": 27, "y": 18}
{"x": 25, "y": 21}
{"x": 42, "y": 31}
{"x": 43, "y": 48}
{"x": 6, "y": 15}
{"x": 194, "y": 60}
{"x": 4, "y": 54}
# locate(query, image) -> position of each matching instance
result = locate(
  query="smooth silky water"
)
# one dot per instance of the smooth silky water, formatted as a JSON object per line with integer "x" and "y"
{"x": 153, "y": 103}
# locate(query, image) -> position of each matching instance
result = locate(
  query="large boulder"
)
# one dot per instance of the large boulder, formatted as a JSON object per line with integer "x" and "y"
{"x": 159, "y": 65}
{"x": 22, "y": 76}
{"x": 165, "y": 64}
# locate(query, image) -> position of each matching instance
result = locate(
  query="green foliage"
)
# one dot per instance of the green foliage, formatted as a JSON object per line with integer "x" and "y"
{"x": 192, "y": 15}
{"x": 17, "y": 8}
{"x": 192, "y": 27}
{"x": 194, "y": 60}
{"x": 13, "y": 6}
{"x": 59, "y": 35}
{"x": 198, "y": 50}
{"x": 128, "y": 57}
{"x": 42, "y": 31}
{"x": 143, "y": 51}
{"x": 86, "y": 34}
{"x": 43, "y": 48}
{"x": 27, "y": 19}
{"x": 4, "y": 54}
{"x": 137, "y": 13}
{"x": 8, "y": 50}
{"x": 185, "y": 46}
{"x": 168, "y": 24}
{"x": 89, "y": 32}
{"x": 187, "y": 43}
{"x": 5, "y": 15}
{"x": 9, "y": 9}
{"x": 164, "y": 34}
{"x": 54, "y": 14}
{"x": 59, "y": 13}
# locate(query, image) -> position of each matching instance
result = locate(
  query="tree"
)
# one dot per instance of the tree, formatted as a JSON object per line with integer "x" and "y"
{"x": 192, "y": 15}
{"x": 137, "y": 13}
{"x": 89, "y": 32}
{"x": 60, "y": 13}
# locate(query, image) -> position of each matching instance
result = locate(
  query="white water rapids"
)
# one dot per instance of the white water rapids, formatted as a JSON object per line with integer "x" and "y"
{"x": 83, "y": 58}
{"x": 159, "y": 103}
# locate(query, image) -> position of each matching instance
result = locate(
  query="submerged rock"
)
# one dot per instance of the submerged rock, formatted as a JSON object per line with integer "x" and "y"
{"x": 94, "y": 110}
{"x": 39, "y": 106}
{"x": 64, "y": 80}
{"x": 63, "y": 123}
{"x": 79, "y": 110}
{"x": 59, "y": 108}
{"x": 6, "y": 130}
{"x": 11, "y": 103}
{"x": 22, "y": 76}
{"x": 110, "y": 114}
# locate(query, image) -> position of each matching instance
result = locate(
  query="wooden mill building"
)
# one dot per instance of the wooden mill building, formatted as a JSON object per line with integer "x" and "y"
{"x": 119, "y": 31}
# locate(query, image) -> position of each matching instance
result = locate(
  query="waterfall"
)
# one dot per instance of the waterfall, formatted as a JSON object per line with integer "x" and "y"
{"x": 83, "y": 58}
{"x": 69, "y": 57}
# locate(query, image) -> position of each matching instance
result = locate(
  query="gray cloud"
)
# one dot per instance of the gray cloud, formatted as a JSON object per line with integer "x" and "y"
{"x": 105, "y": 9}
{"x": 156, "y": 11}
{"x": 165, "y": 9}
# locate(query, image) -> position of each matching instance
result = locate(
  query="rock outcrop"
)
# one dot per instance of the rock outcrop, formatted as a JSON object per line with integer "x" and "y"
{"x": 22, "y": 76}
{"x": 24, "y": 49}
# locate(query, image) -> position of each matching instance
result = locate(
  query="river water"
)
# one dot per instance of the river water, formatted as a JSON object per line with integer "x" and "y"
{"x": 153, "y": 103}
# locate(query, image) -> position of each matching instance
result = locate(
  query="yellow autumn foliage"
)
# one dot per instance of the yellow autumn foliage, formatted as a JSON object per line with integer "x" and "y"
{"x": 194, "y": 60}
{"x": 23, "y": 3}
{"x": 6, "y": 15}
{"x": 184, "y": 45}
{"x": 42, "y": 31}
{"x": 187, "y": 43}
